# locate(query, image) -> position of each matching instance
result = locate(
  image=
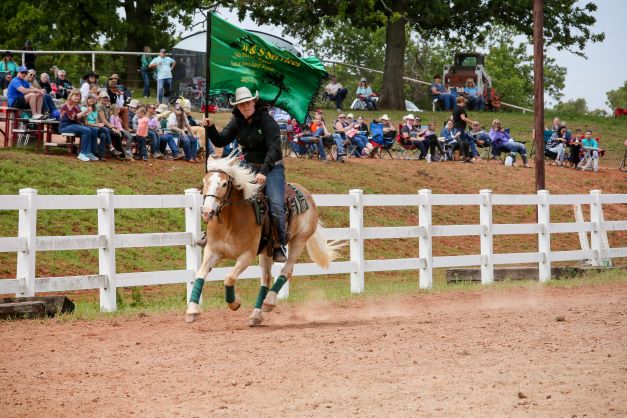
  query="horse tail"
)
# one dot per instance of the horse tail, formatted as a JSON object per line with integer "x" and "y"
{"x": 321, "y": 251}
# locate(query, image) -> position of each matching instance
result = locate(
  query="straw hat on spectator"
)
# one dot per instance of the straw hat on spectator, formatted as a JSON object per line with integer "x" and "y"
{"x": 134, "y": 103}
{"x": 385, "y": 117}
{"x": 243, "y": 95}
{"x": 102, "y": 94}
{"x": 409, "y": 117}
{"x": 350, "y": 115}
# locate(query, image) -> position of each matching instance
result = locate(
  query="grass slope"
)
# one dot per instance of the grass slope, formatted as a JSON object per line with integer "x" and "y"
{"x": 61, "y": 174}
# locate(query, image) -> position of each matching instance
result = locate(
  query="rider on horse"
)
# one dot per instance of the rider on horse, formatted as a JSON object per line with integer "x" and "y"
{"x": 260, "y": 138}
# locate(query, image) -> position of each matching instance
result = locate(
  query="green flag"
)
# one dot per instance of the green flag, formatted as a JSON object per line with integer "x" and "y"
{"x": 240, "y": 58}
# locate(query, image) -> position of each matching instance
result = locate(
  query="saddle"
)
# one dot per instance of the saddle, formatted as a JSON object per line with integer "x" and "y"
{"x": 295, "y": 204}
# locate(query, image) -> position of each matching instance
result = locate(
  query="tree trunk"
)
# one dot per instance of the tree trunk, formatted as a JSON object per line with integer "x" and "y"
{"x": 392, "y": 93}
{"x": 138, "y": 16}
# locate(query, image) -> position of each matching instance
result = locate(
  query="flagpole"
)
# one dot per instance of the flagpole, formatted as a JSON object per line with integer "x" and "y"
{"x": 207, "y": 84}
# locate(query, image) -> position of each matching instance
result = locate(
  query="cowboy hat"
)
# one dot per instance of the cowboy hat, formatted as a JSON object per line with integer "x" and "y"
{"x": 409, "y": 117}
{"x": 103, "y": 94}
{"x": 86, "y": 76}
{"x": 243, "y": 95}
{"x": 385, "y": 117}
{"x": 162, "y": 108}
{"x": 134, "y": 103}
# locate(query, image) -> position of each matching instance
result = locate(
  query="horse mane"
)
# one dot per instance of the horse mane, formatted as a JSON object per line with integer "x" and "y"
{"x": 243, "y": 178}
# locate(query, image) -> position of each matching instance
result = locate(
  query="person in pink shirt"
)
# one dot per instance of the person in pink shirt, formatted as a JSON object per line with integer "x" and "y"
{"x": 116, "y": 122}
{"x": 142, "y": 133}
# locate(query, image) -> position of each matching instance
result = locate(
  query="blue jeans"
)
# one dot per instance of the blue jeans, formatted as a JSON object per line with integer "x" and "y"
{"x": 141, "y": 146}
{"x": 515, "y": 147}
{"x": 229, "y": 148}
{"x": 275, "y": 191}
{"x": 312, "y": 140}
{"x": 448, "y": 99}
{"x": 146, "y": 78}
{"x": 48, "y": 105}
{"x": 94, "y": 139}
{"x": 190, "y": 146}
{"x": 476, "y": 102}
{"x": 153, "y": 137}
{"x": 160, "y": 86}
{"x": 84, "y": 132}
{"x": 339, "y": 143}
{"x": 105, "y": 139}
{"x": 171, "y": 142}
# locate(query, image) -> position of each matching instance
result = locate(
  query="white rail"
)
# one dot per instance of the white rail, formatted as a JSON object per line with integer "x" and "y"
{"x": 106, "y": 241}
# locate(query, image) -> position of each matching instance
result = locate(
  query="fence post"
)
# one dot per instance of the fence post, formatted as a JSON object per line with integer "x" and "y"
{"x": 356, "y": 213}
{"x": 93, "y": 62}
{"x": 596, "y": 236}
{"x": 193, "y": 254}
{"x": 106, "y": 255}
{"x": 544, "y": 236}
{"x": 27, "y": 229}
{"x": 425, "y": 251}
{"x": 487, "y": 243}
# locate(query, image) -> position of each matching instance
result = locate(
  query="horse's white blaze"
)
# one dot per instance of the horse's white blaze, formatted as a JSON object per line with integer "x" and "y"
{"x": 211, "y": 202}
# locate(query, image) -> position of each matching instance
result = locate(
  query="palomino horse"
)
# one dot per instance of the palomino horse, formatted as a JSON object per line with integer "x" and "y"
{"x": 233, "y": 233}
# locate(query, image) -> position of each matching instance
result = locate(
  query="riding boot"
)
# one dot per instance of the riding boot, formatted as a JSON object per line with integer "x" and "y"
{"x": 280, "y": 252}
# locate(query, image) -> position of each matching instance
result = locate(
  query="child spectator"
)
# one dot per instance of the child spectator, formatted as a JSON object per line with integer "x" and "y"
{"x": 592, "y": 146}
{"x": 142, "y": 133}
{"x": 100, "y": 130}
{"x": 116, "y": 123}
{"x": 574, "y": 147}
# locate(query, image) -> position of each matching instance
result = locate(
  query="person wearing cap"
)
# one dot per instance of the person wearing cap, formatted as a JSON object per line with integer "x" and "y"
{"x": 259, "y": 136}
{"x": 389, "y": 131}
{"x": 410, "y": 131}
{"x": 104, "y": 118}
{"x": 364, "y": 93}
{"x": 164, "y": 66}
{"x": 29, "y": 59}
{"x": 23, "y": 96}
{"x": 48, "y": 106}
{"x": 115, "y": 94}
{"x": 336, "y": 92}
{"x": 63, "y": 85}
{"x": 88, "y": 79}
{"x": 7, "y": 65}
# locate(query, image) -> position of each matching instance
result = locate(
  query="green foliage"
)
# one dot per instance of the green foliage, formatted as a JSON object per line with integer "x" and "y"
{"x": 572, "y": 107}
{"x": 617, "y": 98}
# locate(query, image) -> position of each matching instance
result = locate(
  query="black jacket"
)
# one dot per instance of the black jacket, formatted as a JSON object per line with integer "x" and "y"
{"x": 260, "y": 141}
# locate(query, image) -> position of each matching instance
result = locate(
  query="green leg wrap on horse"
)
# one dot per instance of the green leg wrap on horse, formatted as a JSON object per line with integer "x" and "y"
{"x": 278, "y": 284}
{"x": 197, "y": 290}
{"x": 229, "y": 292}
{"x": 263, "y": 291}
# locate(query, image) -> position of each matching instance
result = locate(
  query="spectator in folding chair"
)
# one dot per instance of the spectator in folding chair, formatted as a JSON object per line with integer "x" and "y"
{"x": 450, "y": 137}
{"x": 364, "y": 93}
{"x": 339, "y": 136}
{"x": 439, "y": 92}
{"x": 377, "y": 141}
{"x": 591, "y": 149}
{"x": 474, "y": 96}
{"x": 556, "y": 147}
{"x": 409, "y": 134}
{"x": 319, "y": 129}
{"x": 336, "y": 92}
{"x": 433, "y": 142}
{"x": 503, "y": 142}
{"x": 361, "y": 138}
{"x": 480, "y": 136}
{"x": 305, "y": 143}
{"x": 574, "y": 148}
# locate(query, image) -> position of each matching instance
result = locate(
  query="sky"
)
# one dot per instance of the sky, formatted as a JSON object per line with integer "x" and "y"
{"x": 604, "y": 69}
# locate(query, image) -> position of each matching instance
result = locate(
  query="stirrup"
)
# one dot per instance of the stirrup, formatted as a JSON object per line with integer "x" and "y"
{"x": 280, "y": 254}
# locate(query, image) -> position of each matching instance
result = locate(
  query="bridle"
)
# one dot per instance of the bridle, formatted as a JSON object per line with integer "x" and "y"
{"x": 224, "y": 201}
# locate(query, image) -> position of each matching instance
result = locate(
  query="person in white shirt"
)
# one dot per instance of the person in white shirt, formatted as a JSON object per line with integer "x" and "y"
{"x": 88, "y": 79}
{"x": 163, "y": 65}
{"x": 336, "y": 92}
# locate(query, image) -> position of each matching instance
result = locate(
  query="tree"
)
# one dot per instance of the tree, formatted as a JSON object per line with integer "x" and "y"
{"x": 94, "y": 25}
{"x": 617, "y": 98}
{"x": 566, "y": 24}
{"x": 572, "y": 107}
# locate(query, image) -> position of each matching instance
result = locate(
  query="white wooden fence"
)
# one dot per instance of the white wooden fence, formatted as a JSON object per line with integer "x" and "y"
{"x": 27, "y": 243}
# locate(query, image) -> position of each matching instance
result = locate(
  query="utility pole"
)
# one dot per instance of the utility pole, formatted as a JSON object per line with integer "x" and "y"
{"x": 538, "y": 91}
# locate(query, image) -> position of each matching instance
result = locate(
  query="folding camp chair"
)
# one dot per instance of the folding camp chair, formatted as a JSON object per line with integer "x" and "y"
{"x": 406, "y": 150}
{"x": 382, "y": 144}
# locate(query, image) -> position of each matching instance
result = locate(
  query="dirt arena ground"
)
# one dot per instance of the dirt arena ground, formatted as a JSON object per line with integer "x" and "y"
{"x": 538, "y": 351}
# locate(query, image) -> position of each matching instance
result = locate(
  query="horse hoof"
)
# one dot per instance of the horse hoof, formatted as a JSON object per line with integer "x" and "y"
{"x": 192, "y": 313}
{"x": 191, "y": 317}
{"x": 235, "y": 305}
{"x": 269, "y": 303}
{"x": 255, "y": 319}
